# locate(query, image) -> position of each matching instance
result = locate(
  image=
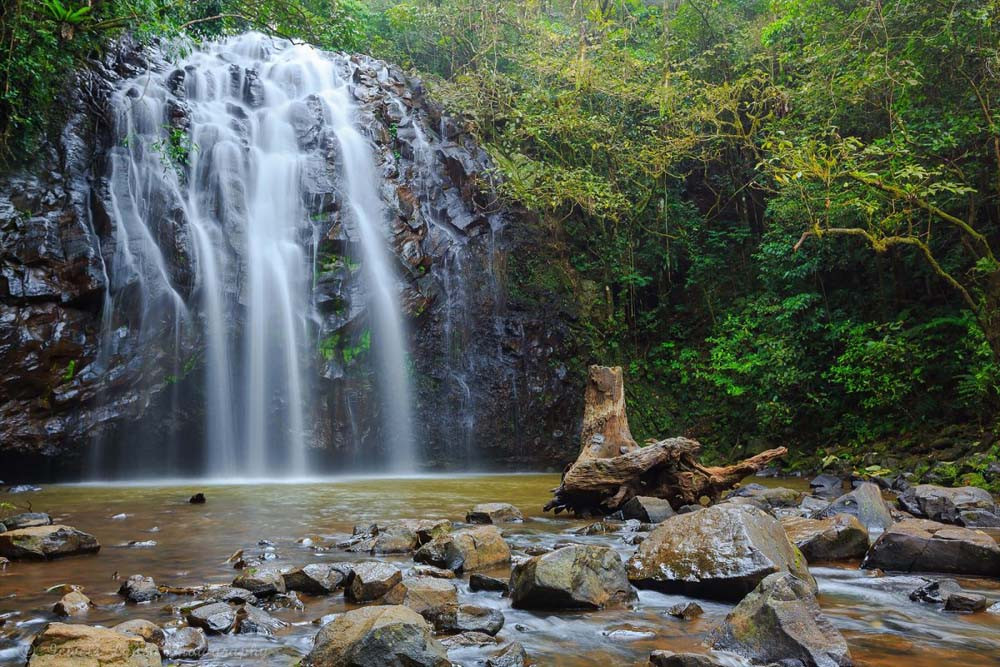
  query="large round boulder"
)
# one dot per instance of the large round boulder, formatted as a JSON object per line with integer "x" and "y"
{"x": 841, "y": 537}
{"x": 64, "y": 645}
{"x": 377, "y": 636}
{"x": 464, "y": 550}
{"x": 864, "y": 502}
{"x": 45, "y": 542}
{"x": 720, "y": 552}
{"x": 919, "y": 545}
{"x": 574, "y": 577}
{"x": 781, "y": 620}
{"x": 430, "y": 597}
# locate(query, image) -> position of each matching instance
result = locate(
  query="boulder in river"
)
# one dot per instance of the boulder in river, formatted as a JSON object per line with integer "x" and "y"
{"x": 46, "y": 542}
{"x": 777, "y": 496}
{"x": 494, "y": 513}
{"x": 314, "y": 579}
{"x": 73, "y": 603}
{"x": 840, "y": 537}
{"x": 780, "y": 620}
{"x": 371, "y": 580}
{"x": 864, "y": 502}
{"x": 511, "y": 655}
{"x": 826, "y": 486}
{"x": 65, "y": 645}
{"x": 261, "y": 581}
{"x": 465, "y": 550}
{"x": 482, "y": 582}
{"x": 686, "y": 610}
{"x": 947, "y": 505}
{"x": 965, "y": 602}
{"x": 671, "y": 659}
{"x": 919, "y": 545}
{"x": 722, "y": 551}
{"x": 215, "y": 618}
{"x": 138, "y": 588}
{"x": 647, "y": 509}
{"x": 377, "y": 636}
{"x": 428, "y": 596}
{"x": 147, "y": 630}
{"x": 26, "y": 520}
{"x": 573, "y": 577}
{"x": 936, "y": 591}
{"x": 185, "y": 644}
{"x": 470, "y": 618}
{"x": 251, "y": 620}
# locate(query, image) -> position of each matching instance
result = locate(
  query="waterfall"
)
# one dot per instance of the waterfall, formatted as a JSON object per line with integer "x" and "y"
{"x": 213, "y": 181}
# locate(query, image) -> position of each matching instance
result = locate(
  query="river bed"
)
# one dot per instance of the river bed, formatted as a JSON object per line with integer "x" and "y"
{"x": 180, "y": 544}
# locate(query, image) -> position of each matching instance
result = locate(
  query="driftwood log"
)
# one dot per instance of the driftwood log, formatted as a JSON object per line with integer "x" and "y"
{"x": 612, "y": 468}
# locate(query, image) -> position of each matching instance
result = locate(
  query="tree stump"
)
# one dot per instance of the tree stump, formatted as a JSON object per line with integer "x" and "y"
{"x": 611, "y": 467}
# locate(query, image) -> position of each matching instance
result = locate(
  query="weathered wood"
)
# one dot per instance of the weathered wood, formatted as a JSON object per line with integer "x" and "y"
{"x": 605, "y": 431}
{"x": 611, "y": 468}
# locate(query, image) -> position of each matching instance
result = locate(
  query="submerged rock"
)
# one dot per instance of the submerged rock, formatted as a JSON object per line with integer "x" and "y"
{"x": 494, "y": 513}
{"x": 464, "y": 550}
{"x": 185, "y": 644}
{"x": 647, "y": 509}
{"x": 138, "y": 588}
{"x": 573, "y": 577}
{"x": 919, "y": 545}
{"x": 370, "y": 581}
{"x": 197, "y": 499}
{"x": 839, "y": 537}
{"x": 46, "y": 542}
{"x": 63, "y": 645}
{"x": 781, "y": 620}
{"x": 866, "y": 503}
{"x": 377, "y": 636}
{"x": 722, "y": 552}
{"x": 949, "y": 505}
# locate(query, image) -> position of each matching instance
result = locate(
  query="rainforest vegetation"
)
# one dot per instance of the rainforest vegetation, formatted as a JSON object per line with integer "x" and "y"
{"x": 782, "y": 217}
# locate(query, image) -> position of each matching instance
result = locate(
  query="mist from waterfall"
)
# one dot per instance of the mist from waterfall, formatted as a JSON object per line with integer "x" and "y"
{"x": 207, "y": 174}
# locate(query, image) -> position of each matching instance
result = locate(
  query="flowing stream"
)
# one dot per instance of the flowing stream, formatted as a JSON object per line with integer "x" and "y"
{"x": 180, "y": 544}
{"x": 207, "y": 175}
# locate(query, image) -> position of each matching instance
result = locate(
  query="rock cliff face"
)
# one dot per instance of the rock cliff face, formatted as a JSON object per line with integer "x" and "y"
{"x": 80, "y": 364}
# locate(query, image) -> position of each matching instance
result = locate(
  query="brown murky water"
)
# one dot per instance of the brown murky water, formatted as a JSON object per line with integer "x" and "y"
{"x": 192, "y": 542}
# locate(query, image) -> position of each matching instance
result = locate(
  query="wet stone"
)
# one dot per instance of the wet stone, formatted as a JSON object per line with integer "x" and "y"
{"x": 470, "y": 618}
{"x": 185, "y": 644}
{"x": 494, "y": 513}
{"x": 686, "y": 610}
{"x": 214, "y": 617}
{"x": 261, "y": 581}
{"x": 26, "y": 520}
{"x": 314, "y": 579}
{"x": 138, "y": 588}
{"x": 253, "y": 620}
{"x": 965, "y": 602}
{"x": 370, "y": 581}
{"x": 671, "y": 659}
{"x": 482, "y": 582}
{"x": 512, "y": 655}
{"x": 73, "y": 603}
{"x": 147, "y": 630}
{"x": 65, "y": 645}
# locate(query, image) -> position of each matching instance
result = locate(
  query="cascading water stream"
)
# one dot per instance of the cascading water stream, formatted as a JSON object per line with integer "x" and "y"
{"x": 208, "y": 174}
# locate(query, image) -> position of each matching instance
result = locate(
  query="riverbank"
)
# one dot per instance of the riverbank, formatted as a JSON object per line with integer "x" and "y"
{"x": 155, "y": 531}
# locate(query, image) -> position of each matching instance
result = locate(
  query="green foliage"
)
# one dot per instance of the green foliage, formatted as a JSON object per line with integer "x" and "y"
{"x": 337, "y": 347}
{"x": 43, "y": 42}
